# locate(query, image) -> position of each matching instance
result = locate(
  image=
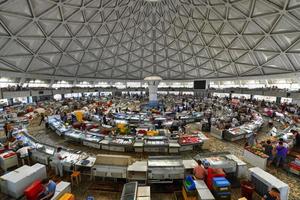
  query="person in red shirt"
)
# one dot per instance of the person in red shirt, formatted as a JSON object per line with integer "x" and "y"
{"x": 199, "y": 171}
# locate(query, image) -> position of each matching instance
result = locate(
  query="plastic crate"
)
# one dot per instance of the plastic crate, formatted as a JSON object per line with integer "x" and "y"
{"x": 220, "y": 182}
{"x": 67, "y": 196}
{"x": 222, "y": 195}
{"x": 189, "y": 183}
{"x": 221, "y": 189}
{"x": 32, "y": 192}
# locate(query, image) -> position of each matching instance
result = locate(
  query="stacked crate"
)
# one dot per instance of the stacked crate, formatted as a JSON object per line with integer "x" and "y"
{"x": 221, "y": 188}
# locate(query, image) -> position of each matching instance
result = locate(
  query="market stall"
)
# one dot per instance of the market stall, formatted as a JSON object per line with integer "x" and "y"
{"x": 122, "y": 144}
{"x": 164, "y": 169}
{"x": 156, "y": 144}
{"x": 255, "y": 157}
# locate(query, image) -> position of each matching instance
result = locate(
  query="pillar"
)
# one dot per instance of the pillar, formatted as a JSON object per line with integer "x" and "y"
{"x": 153, "y": 92}
{"x": 153, "y": 82}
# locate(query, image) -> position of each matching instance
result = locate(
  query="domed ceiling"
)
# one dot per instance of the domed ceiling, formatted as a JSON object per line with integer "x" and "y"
{"x": 133, "y": 39}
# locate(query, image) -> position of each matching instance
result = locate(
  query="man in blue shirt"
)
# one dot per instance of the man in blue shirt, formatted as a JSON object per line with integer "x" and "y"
{"x": 50, "y": 187}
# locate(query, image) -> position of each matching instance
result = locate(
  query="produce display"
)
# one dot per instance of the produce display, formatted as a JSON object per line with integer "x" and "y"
{"x": 122, "y": 141}
{"x": 257, "y": 151}
{"x": 122, "y": 129}
{"x": 152, "y": 133}
{"x": 189, "y": 139}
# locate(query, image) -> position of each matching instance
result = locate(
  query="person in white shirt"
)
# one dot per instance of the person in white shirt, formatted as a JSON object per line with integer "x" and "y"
{"x": 58, "y": 161}
{"x": 23, "y": 153}
{"x": 286, "y": 145}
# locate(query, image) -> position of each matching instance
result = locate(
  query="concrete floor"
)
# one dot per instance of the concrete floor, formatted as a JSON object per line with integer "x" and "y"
{"x": 95, "y": 188}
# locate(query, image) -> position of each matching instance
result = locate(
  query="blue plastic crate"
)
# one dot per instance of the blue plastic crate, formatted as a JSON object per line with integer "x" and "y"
{"x": 189, "y": 183}
{"x": 221, "y": 182}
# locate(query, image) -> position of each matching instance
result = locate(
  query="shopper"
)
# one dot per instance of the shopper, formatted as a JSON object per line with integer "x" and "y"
{"x": 104, "y": 120}
{"x": 286, "y": 145}
{"x": 58, "y": 161}
{"x": 199, "y": 171}
{"x": 10, "y": 130}
{"x": 281, "y": 153}
{"x": 268, "y": 150}
{"x": 49, "y": 191}
{"x": 5, "y": 127}
{"x": 46, "y": 122}
{"x": 42, "y": 118}
{"x": 273, "y": 194}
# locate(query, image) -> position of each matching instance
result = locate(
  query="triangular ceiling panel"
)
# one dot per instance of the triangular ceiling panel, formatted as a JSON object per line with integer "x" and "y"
{"x": 19, "y": 7}
{"x": 21, "y": 62}
{"x": 37, "y": 65}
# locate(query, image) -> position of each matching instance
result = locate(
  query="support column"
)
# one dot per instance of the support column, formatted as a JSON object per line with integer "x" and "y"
{"x": 153, "y": 82}
{"x": 152, "y": 92}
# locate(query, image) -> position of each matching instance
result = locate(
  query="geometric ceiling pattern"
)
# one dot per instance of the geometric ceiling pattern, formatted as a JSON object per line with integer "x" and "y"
{"x": 133, "y": 39}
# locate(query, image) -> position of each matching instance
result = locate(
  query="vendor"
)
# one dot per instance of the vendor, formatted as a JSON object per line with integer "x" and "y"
{"x": 58, "y": 161}
{"x": 49, "y": 191}
{"x": 24, "y": 153}
{"x": 297, "y": 137}
{"x": 199, "y": 171}
{"x": 273, "y": 194}
{"x": 252, "y": 139}
{"x": 268, "y": 150}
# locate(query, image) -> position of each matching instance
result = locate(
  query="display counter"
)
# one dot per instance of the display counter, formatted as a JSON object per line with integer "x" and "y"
{"x": 255, "y": 160}
{"x": 74, "y": 135}
{"x": 137, "y": 171}
{"x": 216, "y": 132}
{"x": 111, "y": 166}
{"x": 139, "y": 146}
{"x": 234, "y": 134}
{"x": 263, "y": 182}
{"x": 92, "y": 140}
{"x": 44, "y": 153}
{"x": 105, "y": 143}
{"x": 8, "y": 159}
{"x": 243, "y": 131}
{"x": 15, "y": 182}
{"x": 129, "y": 191}
{"x": 191, "y": 142}
{"x": 156, "y": 144}
{"x": 174, "y": 147}
{"x": 122, "y": 144}
{"x": 225, "y": 160}
{"x": 165, "y": 168}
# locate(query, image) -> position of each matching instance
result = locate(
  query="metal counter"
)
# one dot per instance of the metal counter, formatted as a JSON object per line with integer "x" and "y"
{"x": 165, "y": 168}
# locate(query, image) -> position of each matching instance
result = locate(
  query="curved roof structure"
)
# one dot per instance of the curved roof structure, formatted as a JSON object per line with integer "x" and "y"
{"x": 133, "y": 39}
